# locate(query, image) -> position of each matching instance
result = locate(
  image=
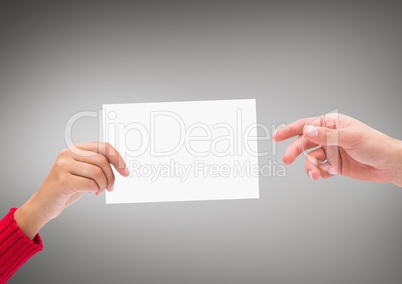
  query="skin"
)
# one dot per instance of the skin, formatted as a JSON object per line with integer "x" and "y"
{"x": 333, "y": 144}
{"x": 338, "y": 144}
{"x": 83, "y": 168}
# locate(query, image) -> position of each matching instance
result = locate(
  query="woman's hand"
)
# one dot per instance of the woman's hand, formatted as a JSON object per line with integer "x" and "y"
{"x": 81, "y": 168}
{"x": 346, "y": 146}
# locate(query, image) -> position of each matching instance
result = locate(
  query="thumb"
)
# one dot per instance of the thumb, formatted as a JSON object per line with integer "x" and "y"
{"x": 327, "y": 136}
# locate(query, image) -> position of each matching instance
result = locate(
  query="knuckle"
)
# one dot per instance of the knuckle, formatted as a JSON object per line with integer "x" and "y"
{"x": 91, "y": 185}
{"x": 98, "y": 173}
{"x": 61, "y": 163}
{"x": 108, "y": 147}
{"x": 102, "y": 160}
{"x": 103, "y": 145}
{"x": 64, "y": 153}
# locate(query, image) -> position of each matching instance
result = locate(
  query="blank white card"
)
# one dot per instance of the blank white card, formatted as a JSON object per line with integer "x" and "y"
{"x": 182, "y": 151}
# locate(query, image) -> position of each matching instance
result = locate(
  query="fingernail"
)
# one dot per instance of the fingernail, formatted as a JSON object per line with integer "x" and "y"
{"x": 311, "y": 131}
{"x": 332, "y": 171}
{"x": 310, "y": 174}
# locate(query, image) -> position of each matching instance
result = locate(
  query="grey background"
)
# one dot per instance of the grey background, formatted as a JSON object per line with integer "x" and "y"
{"x": 296, "y": 58}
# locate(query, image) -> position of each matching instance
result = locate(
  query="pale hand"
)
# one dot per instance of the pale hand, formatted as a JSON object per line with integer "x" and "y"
{"x": 347, "y": 147}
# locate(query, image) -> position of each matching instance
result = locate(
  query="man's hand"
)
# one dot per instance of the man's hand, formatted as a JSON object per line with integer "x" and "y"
{"x": 346, "y": 146}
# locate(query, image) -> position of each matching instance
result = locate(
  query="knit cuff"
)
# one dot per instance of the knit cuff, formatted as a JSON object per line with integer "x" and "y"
{"x": 15, "y": 247}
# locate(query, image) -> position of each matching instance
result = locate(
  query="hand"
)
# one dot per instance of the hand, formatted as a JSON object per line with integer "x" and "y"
{"x": 346, "y": 146}
{"x": 81, "y": 168}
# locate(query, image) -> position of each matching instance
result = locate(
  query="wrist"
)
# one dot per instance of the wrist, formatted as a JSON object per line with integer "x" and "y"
{"x": 29, "y": 217}
{"x": 396, "y": 163}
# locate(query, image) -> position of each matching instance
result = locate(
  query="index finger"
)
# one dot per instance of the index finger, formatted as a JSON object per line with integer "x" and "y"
{"x": 109, "y": 152}
{"x": 295, "y": 128}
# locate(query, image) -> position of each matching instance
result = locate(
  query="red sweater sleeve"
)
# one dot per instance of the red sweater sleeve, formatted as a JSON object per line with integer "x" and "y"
{"x": 15, "y": 247}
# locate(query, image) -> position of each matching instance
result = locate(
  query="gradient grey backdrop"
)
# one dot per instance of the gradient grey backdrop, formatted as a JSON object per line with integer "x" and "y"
{"x": 297, "y": 59}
